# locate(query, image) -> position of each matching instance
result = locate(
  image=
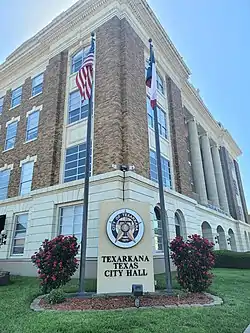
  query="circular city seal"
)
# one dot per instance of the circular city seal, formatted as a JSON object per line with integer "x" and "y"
{"x": 125, "y": 228}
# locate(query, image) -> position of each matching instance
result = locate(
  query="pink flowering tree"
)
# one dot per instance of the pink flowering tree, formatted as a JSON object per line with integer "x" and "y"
{"x": 194, "y": 260}
{"x": 56, "y": 261}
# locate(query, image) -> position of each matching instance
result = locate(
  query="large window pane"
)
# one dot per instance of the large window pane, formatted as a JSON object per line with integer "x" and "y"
{"x": 11, "y": 135}
{"x": 78, "y": 109}
{"x": 37, "y": 84}
{"x": 16, "y": 97}
{"x": 166, "y": 170}
{"x": 71, "y": 221}
{"x": 26, "y": 178}
{"x": 74, "y": 164}
{"x": 4, "y": 183}
{"x": 77, "y": 60}
{"x": 160, "y": 83}
{"x": 20, "y": 234}
{"x": 32, "y": 126}
{"x": 162, "y": 119}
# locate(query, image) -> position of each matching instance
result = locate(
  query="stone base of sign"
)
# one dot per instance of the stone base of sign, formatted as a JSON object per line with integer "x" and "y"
{"x": 35, "y": 305}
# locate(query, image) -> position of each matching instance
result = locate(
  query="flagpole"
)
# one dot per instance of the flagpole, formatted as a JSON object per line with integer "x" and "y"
{"x": 164, "y": 218}
{"x": 86, "y": 197}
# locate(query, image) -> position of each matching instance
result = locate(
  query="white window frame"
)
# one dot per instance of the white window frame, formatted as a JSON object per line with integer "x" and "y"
{"x": 160, "y": 84}
{"x": 155, "y": 177}
{"x": 12, "y": 137}
{"x": 38, "y": 85}
{"x": 83, "y": 52}
{"x": 163, "y": 127}
{"x": 16, "y": 97}
{"x": 36, "y": 111}
{"x": 16, "y": 217}
{"x": 22, "y": 164}
{"x": 73, "y": 206}
{"x": 5, "y": 168}
{"x": 78, "y": 165}
{"x": 82, "y": 109}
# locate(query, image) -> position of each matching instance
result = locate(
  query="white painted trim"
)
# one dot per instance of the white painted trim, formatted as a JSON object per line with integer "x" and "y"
{"x": 28, "y": 159}
{"x": 34, "y": 109}
{"x": 6, "y": 167}
{"x": 13, "y": 119}
{"x": 29, "y": 141}
{"x": 14, "y": 107}
{"x": 33, "y": 96}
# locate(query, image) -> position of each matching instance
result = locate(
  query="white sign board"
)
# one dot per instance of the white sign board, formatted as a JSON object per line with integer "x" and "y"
{"x": 125, "y": 254}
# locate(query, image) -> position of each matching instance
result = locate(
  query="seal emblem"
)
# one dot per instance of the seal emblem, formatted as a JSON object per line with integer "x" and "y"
{"x": 125, "y": 228}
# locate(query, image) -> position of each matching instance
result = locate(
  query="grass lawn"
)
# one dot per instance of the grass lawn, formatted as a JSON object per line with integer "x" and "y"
{"x": 233, "y": 317}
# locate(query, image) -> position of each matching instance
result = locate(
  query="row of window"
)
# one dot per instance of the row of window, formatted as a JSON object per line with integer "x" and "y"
{"x": 16, "y": 96}
{"x": 31, "y": 130}
{"x": 75, "y": 162}
{"x": 25, "y": 180}
{"x": 74, "y": 169}
{"x": 70, "y": 224}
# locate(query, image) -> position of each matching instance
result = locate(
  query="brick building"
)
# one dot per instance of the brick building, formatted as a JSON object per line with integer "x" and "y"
{"x": 43, "y": 134}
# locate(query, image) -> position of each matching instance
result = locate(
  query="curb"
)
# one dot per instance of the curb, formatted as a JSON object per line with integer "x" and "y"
{"x": 216, "y": 301}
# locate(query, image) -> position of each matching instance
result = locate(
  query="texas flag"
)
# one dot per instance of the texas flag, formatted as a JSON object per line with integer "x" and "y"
{"x": 151, "y": 78}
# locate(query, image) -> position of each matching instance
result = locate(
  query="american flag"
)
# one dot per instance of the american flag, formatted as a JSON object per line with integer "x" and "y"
{"x": 151, "y": 78}
{"x": 84, "y": 77}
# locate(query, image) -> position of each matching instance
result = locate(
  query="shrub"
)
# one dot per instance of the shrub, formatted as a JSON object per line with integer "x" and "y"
{"x": 56, "y": 296}
{"x": 230, "y": 259}
{"x": 193, "y": 259}
{"x": 56, "y": 261}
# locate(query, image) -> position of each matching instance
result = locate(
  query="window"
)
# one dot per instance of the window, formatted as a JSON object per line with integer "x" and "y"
{"x": 11, "y": 135}
{"x": 37, "y": 85}
{"x": 75, "y": 163}
{"x": 1, "y": 105}
{"x": 160, "y": 84}
{"x": 162, "y": 122}
{"x": 32, "y": 126}
{"x": 77, "y": 60}
{"x": 4, "y": 183}
{"x": 16, "y": 97}
{"x": 26, "y": 177}
{"x": 20, "y": 233}
{"x": 162, "y": 119}
{"x": 166, "y": 171}
{"x": 177, "y": 225}
{"x": 150, "y": 114}
{"x": 158, "y": 237}
{"x": 78, "y": 109}
{"x": 71, "y": 221}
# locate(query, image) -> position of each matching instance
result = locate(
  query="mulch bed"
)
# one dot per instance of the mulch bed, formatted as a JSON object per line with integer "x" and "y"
{"x": 123, "y": 302}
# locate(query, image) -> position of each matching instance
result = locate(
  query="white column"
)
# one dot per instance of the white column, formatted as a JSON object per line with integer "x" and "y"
{"x": 198, "y": 174}
{"x": 220, "y": 179}
{"x": 209, "y": 170}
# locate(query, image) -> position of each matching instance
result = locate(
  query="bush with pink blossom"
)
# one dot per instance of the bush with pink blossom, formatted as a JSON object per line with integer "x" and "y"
{"x": 56, "y": 261}
{"x": 194, "y": 260}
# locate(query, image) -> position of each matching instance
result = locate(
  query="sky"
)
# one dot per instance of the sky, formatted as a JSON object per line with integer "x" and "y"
{"x": 212, "y": 36}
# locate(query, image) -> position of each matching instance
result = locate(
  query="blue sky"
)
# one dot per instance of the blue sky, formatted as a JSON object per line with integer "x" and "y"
{"x": 212, "y": 37}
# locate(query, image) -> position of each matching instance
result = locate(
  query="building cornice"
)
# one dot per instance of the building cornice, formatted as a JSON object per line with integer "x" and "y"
{"x": 75, "y": 24}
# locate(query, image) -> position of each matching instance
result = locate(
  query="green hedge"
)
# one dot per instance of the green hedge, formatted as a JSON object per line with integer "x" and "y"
{"x": 230, "y": 259}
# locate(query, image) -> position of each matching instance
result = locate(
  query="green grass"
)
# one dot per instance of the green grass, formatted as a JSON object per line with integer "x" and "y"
{"x": 233, "y": 317}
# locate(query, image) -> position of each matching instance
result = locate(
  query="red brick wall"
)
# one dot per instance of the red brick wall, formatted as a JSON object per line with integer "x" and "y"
{"x": 47, "y": 147}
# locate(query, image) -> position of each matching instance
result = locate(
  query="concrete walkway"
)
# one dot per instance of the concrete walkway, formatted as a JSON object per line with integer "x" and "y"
{"x": 247, "y": 330}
